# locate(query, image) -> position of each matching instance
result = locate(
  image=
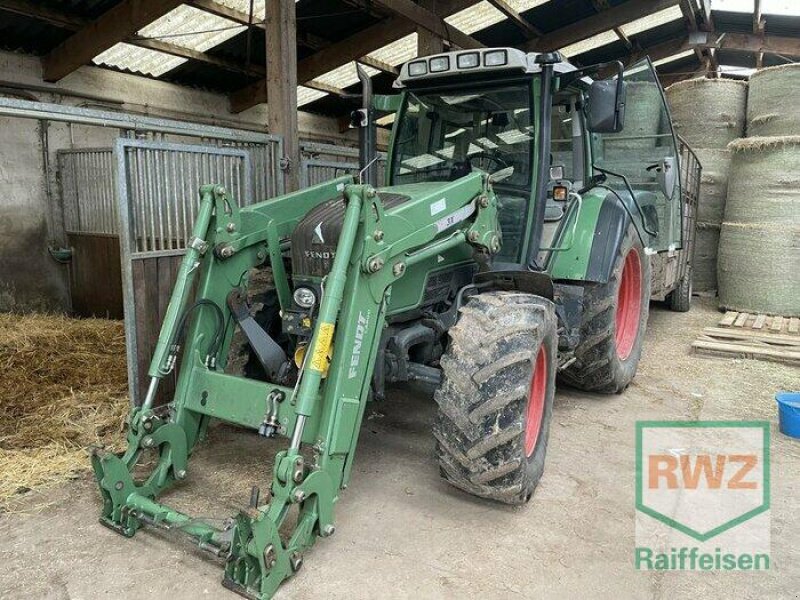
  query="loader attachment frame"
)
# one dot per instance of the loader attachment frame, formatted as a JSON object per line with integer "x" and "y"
{"x": 323, "y": 414}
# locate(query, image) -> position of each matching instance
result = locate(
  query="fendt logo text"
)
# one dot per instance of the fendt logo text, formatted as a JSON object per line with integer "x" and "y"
{"x": 702, "y": 495}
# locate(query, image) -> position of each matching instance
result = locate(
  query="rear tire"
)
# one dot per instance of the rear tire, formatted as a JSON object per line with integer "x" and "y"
{"x": 496, "y": 398}
{"x": 614, "y": 323}
{"x": 680, "y": 299}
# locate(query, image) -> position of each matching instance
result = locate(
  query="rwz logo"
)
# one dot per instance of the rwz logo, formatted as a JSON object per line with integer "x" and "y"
{"x": 702, "y": 478}
{"x": 689, "y": 472}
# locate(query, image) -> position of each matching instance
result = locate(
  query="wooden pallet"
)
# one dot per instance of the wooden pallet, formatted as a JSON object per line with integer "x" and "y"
{"x": 747, "y": 335}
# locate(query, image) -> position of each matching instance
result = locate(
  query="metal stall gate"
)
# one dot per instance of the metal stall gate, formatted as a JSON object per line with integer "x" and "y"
{"x": 158, "y": 198}
{"x": 323, "y": 162}
{"x": 92, "y": 230}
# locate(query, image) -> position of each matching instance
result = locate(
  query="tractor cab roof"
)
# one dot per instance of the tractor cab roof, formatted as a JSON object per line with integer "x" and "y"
{"x": 483, "y": 64}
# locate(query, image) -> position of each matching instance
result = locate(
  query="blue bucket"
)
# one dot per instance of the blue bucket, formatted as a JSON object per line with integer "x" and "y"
{"x": 789, "y": 413}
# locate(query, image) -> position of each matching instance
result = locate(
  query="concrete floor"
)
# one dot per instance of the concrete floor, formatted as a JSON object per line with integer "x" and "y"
{"x": 403, "y": 533}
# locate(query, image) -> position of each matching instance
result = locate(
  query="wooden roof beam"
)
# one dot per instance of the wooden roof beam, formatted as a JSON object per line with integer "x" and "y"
{"x": 429, "y": 21}
{"x": 115, "y": 25}
{"x": 349, "y": 49}
{"x": 35, "y": 10}
{"x": 768, "y": 44}
{"x": 517, "y": 19}
{"x": 599, "y": 23}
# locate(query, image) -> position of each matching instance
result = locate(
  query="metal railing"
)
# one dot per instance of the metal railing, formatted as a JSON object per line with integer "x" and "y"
{"x": 87, "y": 190}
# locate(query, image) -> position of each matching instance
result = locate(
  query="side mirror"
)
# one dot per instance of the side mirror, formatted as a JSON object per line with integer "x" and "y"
{"x": 605, "y": 106}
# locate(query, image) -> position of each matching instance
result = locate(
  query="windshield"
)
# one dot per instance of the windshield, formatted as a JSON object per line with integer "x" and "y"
{"x": 443, "y": 135}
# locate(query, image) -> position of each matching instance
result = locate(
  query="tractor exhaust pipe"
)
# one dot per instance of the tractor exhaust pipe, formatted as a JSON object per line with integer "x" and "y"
{"x": 367, "y": 136}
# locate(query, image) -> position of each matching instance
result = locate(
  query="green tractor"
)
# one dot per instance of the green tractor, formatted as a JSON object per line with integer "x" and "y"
{"x": 509, "y": 249}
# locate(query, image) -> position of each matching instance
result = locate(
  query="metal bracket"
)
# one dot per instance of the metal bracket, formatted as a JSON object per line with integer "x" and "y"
{"x": 197, "y": 244}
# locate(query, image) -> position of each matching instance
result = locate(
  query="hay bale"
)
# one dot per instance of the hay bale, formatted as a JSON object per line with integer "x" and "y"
{"x": 708, "y": 113}
{"x": 713, "y": 184}
{"x": 704, "y": 265}
{"x": 772, "y": 106}
{"x": 759, "y": 249}
{"x": 65, "y": 385}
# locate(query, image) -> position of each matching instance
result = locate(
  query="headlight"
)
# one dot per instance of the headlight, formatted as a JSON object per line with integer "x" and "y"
{"x": 417, "y": 68}
{"x": 305, "y": 297}
{"x": 468, "y": 61}
{"x": 439, "y": 64}
{"x": 495, "y": 58}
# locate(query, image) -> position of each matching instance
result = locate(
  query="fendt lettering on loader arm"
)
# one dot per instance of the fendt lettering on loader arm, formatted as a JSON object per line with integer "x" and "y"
{"x": 509, "y": 247}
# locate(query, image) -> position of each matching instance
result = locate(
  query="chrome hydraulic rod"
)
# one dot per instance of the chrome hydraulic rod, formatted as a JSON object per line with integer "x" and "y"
{"x": 161, "y": 363}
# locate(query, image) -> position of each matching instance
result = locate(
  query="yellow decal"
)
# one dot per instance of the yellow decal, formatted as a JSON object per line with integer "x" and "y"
{"x": 319, "y": 360}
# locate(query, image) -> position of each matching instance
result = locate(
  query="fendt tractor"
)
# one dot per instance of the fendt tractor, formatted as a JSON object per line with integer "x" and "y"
{"x": 510, "y": 247}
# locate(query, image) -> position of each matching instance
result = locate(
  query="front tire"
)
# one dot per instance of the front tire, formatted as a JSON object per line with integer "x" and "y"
{"x": 614, "y": 322}
{"x": 496, "y": 398}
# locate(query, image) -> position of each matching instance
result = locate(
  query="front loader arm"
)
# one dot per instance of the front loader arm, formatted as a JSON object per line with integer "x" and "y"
{"x": 374, "y": 249}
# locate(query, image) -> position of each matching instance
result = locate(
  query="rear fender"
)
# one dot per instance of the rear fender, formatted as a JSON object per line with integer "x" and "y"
{"x": 601, "y": 225}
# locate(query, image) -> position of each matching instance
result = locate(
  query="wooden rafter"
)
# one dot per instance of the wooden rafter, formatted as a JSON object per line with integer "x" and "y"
{"x": 435, "y": 24}
{"x": 349, "y": 49}
{"x": 603, "y": 5}
{"x": 504, "y": 7}
{"x": 599, "y": 23}
{"x": 115, "y": 25}
{"x": 748, "y": 42}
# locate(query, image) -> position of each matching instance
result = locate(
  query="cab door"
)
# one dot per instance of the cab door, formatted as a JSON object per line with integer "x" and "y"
{"x": 645, "y": 155}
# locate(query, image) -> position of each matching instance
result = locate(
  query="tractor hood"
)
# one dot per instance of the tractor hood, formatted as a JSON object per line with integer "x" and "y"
{"x": 316, "y": 237}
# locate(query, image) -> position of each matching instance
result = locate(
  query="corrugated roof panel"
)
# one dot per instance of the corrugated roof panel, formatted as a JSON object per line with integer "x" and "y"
{"x": 138, "y": 60}
{"x": 243, "y": 6}
{"x": 747, "y": 6}
{"x": 522, "y": 5}
{"x": 345, "y": 75}
{"x": 192, "y": 28}
{"x": 476, "y": 17}
{"x": 184, "y": 26}
{"x": 398, "y": 52}
{"x": 650, "y": 21}
{"x": 307, "y": 95}
{"x": 673, "y": 58}
{"x": 601, "y": 39}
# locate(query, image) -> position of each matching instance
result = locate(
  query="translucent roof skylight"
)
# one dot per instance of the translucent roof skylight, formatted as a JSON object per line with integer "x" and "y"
{"x": 672, "y": 13}
{"x": 601, "y": 39}
{"x": 673, "y": 58}
{"x": 476, "y": 17}
{"x": 184, "y": 26}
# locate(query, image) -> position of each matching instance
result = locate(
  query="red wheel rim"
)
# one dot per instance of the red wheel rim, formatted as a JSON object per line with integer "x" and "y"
{"x": 535, "y": 412}
{"x": 629, "y": 305}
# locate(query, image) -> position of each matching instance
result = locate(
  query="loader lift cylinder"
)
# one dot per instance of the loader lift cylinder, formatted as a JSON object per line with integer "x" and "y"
{"x": 328, "y": 312}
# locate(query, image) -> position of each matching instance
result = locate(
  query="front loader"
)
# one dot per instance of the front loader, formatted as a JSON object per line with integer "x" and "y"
{"x": 510, "y": 247}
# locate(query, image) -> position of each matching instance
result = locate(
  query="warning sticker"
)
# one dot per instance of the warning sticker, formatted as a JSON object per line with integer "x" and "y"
{"x": 319, "y": 360}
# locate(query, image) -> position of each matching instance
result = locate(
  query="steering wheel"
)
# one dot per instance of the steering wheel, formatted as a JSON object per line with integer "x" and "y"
{"x": 490, "y": 158}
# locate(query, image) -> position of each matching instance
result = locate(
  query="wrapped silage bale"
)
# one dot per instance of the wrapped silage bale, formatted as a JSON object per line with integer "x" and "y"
{"x": 759, "y": 251}
{"x": 713, "y": 184}
{"x": 773, "y": 108}
{"x": 710, "y": 211}
{"x": 708, "y": 113}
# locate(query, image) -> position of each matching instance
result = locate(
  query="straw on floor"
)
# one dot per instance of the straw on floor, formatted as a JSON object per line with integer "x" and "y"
{"x": 63, "y": 388}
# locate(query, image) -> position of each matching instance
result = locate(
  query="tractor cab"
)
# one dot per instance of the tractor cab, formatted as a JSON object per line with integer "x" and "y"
{"x": 547, "y": 135}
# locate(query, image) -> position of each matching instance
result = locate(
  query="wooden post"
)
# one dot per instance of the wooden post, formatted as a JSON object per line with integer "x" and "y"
{"x": 428, "y": 43}
{"x": 282, "y": 84}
